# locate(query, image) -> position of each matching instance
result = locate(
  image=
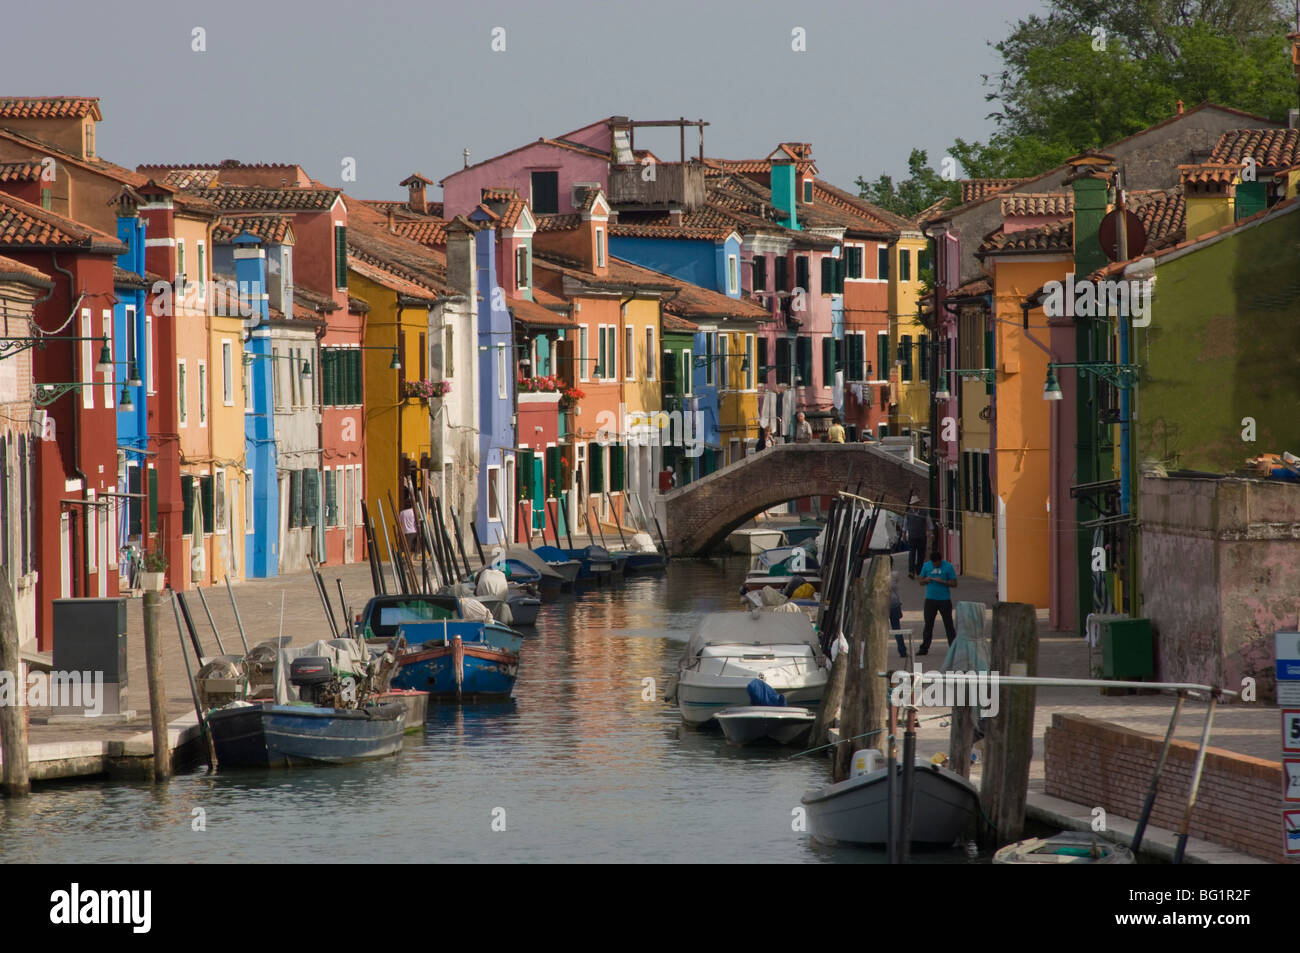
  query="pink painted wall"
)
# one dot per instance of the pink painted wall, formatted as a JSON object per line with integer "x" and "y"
{"x": 462, "y": 190}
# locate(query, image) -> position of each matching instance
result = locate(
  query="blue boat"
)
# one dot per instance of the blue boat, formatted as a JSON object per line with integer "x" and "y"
{"x": 447, "y": 655}
{"x": 594, "y": 562}
{"x": 267, "y": 735}
{"x": 645, "y": 562}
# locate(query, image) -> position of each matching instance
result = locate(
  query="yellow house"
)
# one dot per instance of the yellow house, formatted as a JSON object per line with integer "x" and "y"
{"x": 909, "y": 340}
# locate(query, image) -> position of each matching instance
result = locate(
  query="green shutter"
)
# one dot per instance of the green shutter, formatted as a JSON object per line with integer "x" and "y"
{"x": 295, "y": 497}
{"x": 310, "y": 497}
{"x": 615, "y": 468}
{"x": 828, "y": 276}
{"x": 340, "y": 256}
{"x": 595, "y": 467}
{"x": 187, "y": 498}
{"x": 205, "y": 495}
{"x": 553, "y": 479}
{"x": 803, "y": 360}
{"x": 905, "y": 355}
{"x": 524, "y": 469}
{"x": 925, "y": 357}
{"x": 153, "y": 500}
{"x": 331, "y": 497}
{"x": 882, "y": 357}
{"x": 828, "y": 359}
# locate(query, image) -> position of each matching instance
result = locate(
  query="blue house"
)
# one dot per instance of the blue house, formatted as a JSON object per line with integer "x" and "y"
{"x": 496, "y": 381}
{"x": 131, "y": 355}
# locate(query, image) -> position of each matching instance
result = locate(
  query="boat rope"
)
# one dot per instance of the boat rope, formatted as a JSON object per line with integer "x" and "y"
{"x": 856, "y": 737}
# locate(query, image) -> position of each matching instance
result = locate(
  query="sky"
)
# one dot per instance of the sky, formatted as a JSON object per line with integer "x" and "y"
{"x": 401, "y": 87}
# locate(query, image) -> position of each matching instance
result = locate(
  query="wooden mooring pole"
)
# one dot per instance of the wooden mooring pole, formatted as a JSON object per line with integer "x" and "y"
{"x": 13, "y": 716}
{"x": 1009, "y": 735}
{"x": 865, "y": 693}
{"x": 153, "y": 669}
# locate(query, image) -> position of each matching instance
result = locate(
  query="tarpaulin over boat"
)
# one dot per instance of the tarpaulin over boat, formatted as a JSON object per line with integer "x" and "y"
{"x": 346, "y": 655}
{"x": 765, "y": 628}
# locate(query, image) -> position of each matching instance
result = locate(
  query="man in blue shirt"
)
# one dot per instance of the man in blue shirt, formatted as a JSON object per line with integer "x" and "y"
{"x": 939, "y": 579}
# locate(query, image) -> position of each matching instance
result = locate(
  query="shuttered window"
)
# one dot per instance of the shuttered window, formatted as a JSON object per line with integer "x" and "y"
{"x": 153, "y": 500}
{"x": 310, "y": 497}
{"x": 882, "y": 262}
{"x": 801, "y": 272}
{"x": 295, "y": 498}
{"x": 924, "y": 356}
{"x": 782, "y": 274}
{"x": 882, "y": 357}
{"x": 596, "y": 467}
{"x": 854, "y": 358}
{"x": 525, "y": 470}
{"x": 615, "y": 467}
{"x": 340, "y": 256}
{"x": 784, "y": 366}
{"x": 762, "y": 359}
{"x": 905, "y": 356}
{"x": 759, "y": 280}
{"x": 209, "y": 507}
{"x": 187, "y": 499}
{"x": 828, "y": 359}
{"x": 803, "y": 361}
{"x": 554, "y": 480}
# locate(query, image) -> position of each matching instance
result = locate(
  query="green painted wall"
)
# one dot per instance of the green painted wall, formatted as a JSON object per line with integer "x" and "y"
{"x": 1224, "y": 344}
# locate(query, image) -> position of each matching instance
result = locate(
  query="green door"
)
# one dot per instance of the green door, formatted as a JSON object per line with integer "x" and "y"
{"x": 539, "y": 495}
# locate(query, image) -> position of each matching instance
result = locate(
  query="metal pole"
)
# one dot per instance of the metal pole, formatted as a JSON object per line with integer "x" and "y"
{"x": 1155, "y": 778}
{"x": 460, "y": 543}
{"x": 238, "y": 622}
{"x": 208, "y": 751}
{"x": 1196, "y": 782}
{"x": 891, "y": 788}
{"x": 215, "y": 634}
{"x": 617, "y": 522}
{"x": 909, "y": 788}
{"x": 189, "y": 624}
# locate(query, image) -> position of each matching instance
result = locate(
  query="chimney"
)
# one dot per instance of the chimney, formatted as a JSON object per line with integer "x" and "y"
{"x": 415, "y": 201}
{"x": 1180, "y": 107}
{"x": 460, "y": 255}
{"x": 392, "y": 220}
{"x": 783, "y": 191}
{"x": 1210, "y": 191}
{"x": 675, "y": 217}
{"x": 1090, "y": 176}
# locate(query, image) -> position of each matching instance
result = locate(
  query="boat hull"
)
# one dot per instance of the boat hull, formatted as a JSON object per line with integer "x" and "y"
{"x": 700, "y": 699}
{"x": 458, "y": 670}
{"x": 524, "y": 610}
{"x": 856, "y": 811}
{"x": 272, "y": 736}
{"x": 646, "y": 562}
{"x": 1068, "y": 847}
{"x": 754, "y": 723}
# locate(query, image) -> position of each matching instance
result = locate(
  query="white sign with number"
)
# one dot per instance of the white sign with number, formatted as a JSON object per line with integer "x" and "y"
{"x": 1291, "y": 779}
{"x": 1291, "y": 730}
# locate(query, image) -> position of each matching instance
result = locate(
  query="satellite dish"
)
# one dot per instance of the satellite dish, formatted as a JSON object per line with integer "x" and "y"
{"x": 1107, "y": 235}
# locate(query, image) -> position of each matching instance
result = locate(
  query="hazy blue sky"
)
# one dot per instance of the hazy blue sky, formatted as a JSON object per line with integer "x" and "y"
{"x": 406, "y": 86}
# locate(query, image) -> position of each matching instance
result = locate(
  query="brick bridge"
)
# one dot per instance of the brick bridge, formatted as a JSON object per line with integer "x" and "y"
{"x": 700, "y": 515}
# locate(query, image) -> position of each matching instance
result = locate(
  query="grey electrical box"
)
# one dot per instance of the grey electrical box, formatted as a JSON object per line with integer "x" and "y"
{"x": 89, "y": 639}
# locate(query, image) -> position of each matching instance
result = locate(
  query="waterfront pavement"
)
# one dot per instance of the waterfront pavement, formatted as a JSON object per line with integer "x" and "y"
{"x": 63, "y": 750}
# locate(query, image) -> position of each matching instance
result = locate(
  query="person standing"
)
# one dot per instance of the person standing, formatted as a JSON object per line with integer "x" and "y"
{"x": 407, "y": 518}
{"x": 939, "y": 578}
{"x": 763, "y": 441}
{"x": 835, "y": 434}
{"x": 802, "y": 429}
{"x": 896, "y": 612}
{"x": 916, "y": 525}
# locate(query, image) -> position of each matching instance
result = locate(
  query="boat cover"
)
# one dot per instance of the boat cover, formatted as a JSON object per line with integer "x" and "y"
{"x": 761, "y": 693}
{"x": 533, "y": 561}
{"x": 765, "y": 628}
{"x": 642, "y": 543}
{"x": 346, "y": 655}
{"x": 492, "y": 582}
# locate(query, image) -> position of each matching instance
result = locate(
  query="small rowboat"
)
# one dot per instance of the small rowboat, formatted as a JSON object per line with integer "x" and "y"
{"x": 1068, "y": 847}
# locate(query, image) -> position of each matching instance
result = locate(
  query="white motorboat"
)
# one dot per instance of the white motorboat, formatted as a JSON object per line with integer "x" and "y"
{"x": 785, "y": 726}
{"x": 856, "y": 811}
{"x": 730, "y": 649}
{"x": 786, "y": 562}
{"x": 754, "y": 540}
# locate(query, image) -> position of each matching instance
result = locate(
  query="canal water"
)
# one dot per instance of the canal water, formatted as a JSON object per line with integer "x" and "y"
{"x": 579, "y": 766}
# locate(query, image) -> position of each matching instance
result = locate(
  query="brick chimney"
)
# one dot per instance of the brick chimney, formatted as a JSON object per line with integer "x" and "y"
{"x": 416, "y": 201}
{"x": 460, "y": 255}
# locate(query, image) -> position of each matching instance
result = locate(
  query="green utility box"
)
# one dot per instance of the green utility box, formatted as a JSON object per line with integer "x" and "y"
{"x": 1127, "y": 649}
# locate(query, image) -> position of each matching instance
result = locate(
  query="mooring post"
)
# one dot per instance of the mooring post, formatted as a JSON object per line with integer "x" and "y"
{"x": 1185, "y": 825}
{"x": 1009, "y": 736}
{"x": 153, "y": 670}
{"x": 865, "y": 694}
{"x": 13, "y": 718}
{"x": 1155, "y": 777}
{"x": 908, "y": 794}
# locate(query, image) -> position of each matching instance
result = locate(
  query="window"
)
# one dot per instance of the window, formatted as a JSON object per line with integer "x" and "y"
{"x": 132, "y": 342}
{"x": 180, "y": 265}
{"x": 600, "y": 248}
{"x": 275, "y": 378}
{"x": 905, "y": 357}
{"x": 521, "y": 266}
{"x": 340, "y": 256}
{"x": 925, "y": 258}
{"x": 807, "y": 190}
{"x": 582, "y": 353}
{"x": 222, "y": 521}
{"x": 782, "y": 274}
{"x": 832, "y": 276}
{"x": 852, "y": 263}
{"x": 724, "y": 369}
{"x": 763, "y": 367}
{"x": 759, "y": 278}
{"x": 749, "y": 362}
{"x": 882, "y": 355}
{"x": 882, "y": 262}
{"x": 148, "y": 352}
{"x": 207, "y": 504}
{"x": 203, "y": 268}
{"x": 494, "y": 493}
{"x": 228, "y": 373}
{"x": 784, "y": 368}
{"x": 710, "y": 343}
{"x": 503, "y": 370}
{"x": 546, "y": 192}
{"x": 828, "y": 360}
{"x": 424, "y": 356}
{"x": 90, "y": 139}
{"x": 182, "y": 405}
{"x": 904, "y": 264}
{"x": 203, "y": 393}
{"x": 629, "y": 352}
{"x": 649, "y": 354}
{"x": 331, "y": 497}
{"x": 448, "y": 353}
{"x": 803, "y": 361}
{"x": 611, "y": 368}
{"x": 801, "y": 272}
{"x": 855, "y": 346}
{"x": 286, "y": 280}
{"x": 87, "y": 360}
{"x": 923, "y": 346}
{"x": 687, "y": 362}
{"x": 733, "y": 275}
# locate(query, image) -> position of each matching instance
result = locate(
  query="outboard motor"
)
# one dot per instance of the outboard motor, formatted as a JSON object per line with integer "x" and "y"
{"x": 313, "y": 676}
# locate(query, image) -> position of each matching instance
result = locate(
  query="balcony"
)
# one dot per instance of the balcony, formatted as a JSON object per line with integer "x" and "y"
{"x": 673, "y": 185}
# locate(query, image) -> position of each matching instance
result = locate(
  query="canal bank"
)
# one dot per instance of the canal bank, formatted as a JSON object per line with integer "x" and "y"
{"x": 584, "y": 766}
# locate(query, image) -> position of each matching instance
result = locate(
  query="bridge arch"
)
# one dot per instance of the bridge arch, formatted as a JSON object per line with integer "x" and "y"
{"x": 700, "y": 515}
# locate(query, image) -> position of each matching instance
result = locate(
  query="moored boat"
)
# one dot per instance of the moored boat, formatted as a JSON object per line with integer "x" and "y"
{"x": 1067, "y": 847}
{"x": 753, "y": 540}
{"x": 264, "y": 734}
{"x": 751, "y": 723}
{"x": 459, "y": 660}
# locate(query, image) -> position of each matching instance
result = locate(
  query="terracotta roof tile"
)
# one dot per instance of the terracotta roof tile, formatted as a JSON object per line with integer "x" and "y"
{"x": 189, "y": 178}
{"x": 1209, "y": 176}
{"x": 20, "y": 171}
{"x": 1042, "y": 239}
{"x": 1163, "y": 213}
{"x": 317, "y": 301}
{"x": 862, "y": 213}
{"x": 273, "y": 229}
{"x": 973, "y": 190}
{"x": 127, "y": 279}
{"x": 11, "y": 270}
{"x": 1043, "y": 203}
{"x": 26, "y": 225}
{"x": 430, "y": 232}
{"x": 397, "y": 262}
{"x": 535, "y": 314}
{"x": 929, "y": 214}
{"x": 51, "y": 107}
{"x": 293, "y": 198}
{"x": 399, "y": 207}
{"x": 558, "y": 223}
{"x": 673, "y": 322}
{"x": 1270, "y": 148}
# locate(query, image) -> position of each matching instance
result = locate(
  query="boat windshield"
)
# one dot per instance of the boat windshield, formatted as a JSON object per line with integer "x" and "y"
{"x": 385, "y": 619}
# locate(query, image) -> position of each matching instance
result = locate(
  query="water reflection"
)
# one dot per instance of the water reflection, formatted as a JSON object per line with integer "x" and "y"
{"x": 578, "y": 766}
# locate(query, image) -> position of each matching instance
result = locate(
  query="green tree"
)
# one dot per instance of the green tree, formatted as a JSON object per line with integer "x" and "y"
{"x": 921, "y": 189}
